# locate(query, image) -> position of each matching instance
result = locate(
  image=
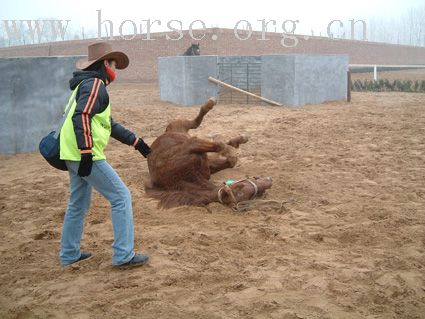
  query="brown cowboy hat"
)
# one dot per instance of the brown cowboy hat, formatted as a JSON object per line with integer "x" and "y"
{"x": 102, "y": 51}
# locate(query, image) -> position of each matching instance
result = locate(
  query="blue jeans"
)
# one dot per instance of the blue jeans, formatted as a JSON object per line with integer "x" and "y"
{"x": 106, "y": 181}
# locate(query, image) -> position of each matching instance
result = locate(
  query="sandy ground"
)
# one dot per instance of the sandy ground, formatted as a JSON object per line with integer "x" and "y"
{"x": 349, "y": 245}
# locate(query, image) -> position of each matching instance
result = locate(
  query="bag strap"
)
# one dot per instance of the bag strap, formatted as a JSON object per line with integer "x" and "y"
{"x": 67, "y": 109}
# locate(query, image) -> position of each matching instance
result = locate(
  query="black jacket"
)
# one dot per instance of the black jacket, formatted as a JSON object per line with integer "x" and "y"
{"x": 92, "y": 98}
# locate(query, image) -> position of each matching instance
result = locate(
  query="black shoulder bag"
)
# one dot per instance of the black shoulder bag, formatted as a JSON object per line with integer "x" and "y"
{"x": 49, "y": 146}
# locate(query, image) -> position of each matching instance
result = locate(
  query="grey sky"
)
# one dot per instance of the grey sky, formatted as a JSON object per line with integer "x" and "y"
{"x": 224, "y": 13}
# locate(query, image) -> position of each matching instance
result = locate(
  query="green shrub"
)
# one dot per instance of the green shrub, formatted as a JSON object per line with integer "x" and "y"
{"x": 421, "y": 86}
{"x": 416, "y": 86}
{"x": 386, "y": 85}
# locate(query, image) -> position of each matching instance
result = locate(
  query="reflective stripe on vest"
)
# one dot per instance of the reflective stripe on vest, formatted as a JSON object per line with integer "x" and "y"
{"x": 100, "y": 130}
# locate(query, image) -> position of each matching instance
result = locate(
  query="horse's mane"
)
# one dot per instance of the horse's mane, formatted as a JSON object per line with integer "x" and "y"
{"x": 183, "y": 194}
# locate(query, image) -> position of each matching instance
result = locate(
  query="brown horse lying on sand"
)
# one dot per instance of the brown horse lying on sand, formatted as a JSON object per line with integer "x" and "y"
{"x": 180, "y": 168}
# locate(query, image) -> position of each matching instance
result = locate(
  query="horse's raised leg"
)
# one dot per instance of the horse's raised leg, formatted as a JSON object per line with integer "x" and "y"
{"x": 185, "y": 125}
{"x": 217, "y": 164}
{"x": 225, "y": 159}
{"x": 198, "y": 145}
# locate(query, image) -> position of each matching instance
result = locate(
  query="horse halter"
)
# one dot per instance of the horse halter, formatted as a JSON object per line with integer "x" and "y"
{"x": 220, "y": 191}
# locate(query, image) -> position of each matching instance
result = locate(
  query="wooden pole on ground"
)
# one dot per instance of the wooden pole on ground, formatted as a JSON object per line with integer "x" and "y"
{"x": 243, "y": 92}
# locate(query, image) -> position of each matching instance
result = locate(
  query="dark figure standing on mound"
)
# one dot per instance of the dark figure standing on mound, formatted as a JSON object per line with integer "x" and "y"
{"x": 83, "y": 138}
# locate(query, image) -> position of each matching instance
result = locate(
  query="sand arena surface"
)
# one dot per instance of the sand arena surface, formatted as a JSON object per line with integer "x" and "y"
{"x": 349, "y": 245}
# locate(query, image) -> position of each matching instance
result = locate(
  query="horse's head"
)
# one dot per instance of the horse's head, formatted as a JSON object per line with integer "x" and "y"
{"x": 244, "y": 189}
{"x": 195, "y": 49}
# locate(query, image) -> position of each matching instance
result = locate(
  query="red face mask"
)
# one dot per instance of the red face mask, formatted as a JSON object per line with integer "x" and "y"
{"x": 110, "y": 73}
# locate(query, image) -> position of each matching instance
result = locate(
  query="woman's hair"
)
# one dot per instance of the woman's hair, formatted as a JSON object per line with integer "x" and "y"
{"x": 98, "y": 67}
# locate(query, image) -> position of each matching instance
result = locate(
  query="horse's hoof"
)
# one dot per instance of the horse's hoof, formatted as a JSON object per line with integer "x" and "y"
{"x": 209, "y": 104}
{"x": 243, "y": 139}
{"x": 235, "y": 142}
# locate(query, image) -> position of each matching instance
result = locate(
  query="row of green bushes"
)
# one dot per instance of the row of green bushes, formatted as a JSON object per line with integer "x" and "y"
{"x": 388, "y": 86}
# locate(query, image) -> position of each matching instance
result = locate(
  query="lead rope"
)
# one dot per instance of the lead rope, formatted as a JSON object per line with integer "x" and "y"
{"x": 231, "y": 192}
{"x": 247, "y": 205}
{"x": 252, "y": 203}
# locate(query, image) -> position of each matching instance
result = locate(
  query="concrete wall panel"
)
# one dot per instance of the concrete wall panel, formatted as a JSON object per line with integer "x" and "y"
{"x": 33, "y": 94}
{"x": 300, "y": 79}
{"x": 184, "y": 79}
{"x": 291, "y": 79}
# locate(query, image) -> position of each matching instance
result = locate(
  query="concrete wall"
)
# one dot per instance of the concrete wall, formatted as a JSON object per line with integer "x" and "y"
{"x": 299, "y": 79}
{"x": 144, "y": 53}
{"x": 184, "y": 79}
{"x": 33, "y": 94}
{"x": 241, "y": 71}
{"x": 291, "y": 79}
